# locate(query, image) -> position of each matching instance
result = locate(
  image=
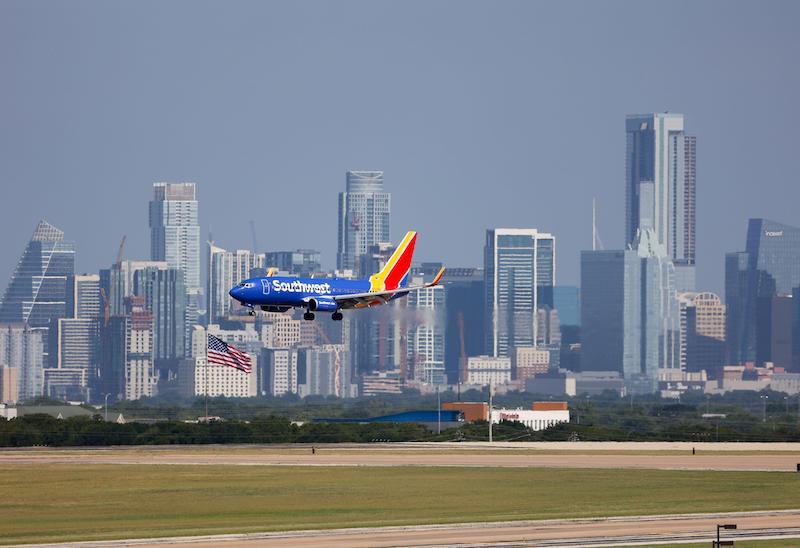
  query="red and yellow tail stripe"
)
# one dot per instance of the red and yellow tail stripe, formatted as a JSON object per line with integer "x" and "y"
{"x": 397, "y": 267}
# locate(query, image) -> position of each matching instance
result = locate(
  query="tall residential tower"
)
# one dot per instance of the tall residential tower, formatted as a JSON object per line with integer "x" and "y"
{"x": 364, "y": 213}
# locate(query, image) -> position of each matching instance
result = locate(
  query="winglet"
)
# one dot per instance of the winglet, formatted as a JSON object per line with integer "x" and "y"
{"x": 271, "y": 272}
{"x": 437, "y": 278}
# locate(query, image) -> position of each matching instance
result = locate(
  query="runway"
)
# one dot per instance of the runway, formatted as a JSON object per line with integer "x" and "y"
{"x": 622, "y": 531}
{"x": 403, "y": 456}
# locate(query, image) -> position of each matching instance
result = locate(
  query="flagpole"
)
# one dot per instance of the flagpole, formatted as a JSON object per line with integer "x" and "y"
{"x": 206, "y": 375}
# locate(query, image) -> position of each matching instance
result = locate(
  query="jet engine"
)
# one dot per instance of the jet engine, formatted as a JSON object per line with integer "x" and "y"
{"x": 322, "y": 304}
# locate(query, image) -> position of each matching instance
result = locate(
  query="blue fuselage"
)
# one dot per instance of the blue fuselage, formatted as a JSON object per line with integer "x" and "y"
{"x": 282, "y": 291}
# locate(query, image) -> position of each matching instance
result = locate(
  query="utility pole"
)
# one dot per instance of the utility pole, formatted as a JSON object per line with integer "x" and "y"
{"x": 105, "y": 412}
{"x": 438, "y": 411}
{"x": 490, "y": 412}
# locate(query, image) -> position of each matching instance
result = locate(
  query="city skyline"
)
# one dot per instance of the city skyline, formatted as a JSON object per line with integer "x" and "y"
{"x": 477, "y": 121}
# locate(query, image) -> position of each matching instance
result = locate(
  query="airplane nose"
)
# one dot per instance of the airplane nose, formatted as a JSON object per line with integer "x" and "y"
{"x": 233, "y": 292}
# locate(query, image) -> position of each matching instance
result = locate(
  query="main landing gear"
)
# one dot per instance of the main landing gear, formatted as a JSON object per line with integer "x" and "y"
{"x": 336, "y": 316}
{"x": 308, "y": 316}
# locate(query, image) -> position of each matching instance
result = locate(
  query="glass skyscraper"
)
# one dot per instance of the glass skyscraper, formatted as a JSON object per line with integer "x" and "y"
{"x": 629, "y": 313}
{"x": 364, "y": 215}
{"x": 519, "y": 273}
{"x": 38, "y": 292}
{"x": 165, "y": 298}
{"x": 660, "y": 187}
{"x": 175, "y": 236}
{"x": 769, "y": 266}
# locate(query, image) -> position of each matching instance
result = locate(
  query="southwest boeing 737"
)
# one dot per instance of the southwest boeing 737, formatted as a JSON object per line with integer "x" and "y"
{"x": 280, "y": 293}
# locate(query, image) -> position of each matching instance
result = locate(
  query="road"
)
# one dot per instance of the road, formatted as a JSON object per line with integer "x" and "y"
{"x": 333, "y": 457}
{"x": 572, "y": 532}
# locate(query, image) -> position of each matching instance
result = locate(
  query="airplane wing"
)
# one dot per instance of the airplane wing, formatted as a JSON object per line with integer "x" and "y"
{"x": 376, "y": 298}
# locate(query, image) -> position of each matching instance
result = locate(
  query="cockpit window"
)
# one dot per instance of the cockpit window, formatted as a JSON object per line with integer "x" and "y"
{"x": 247, "y": 284}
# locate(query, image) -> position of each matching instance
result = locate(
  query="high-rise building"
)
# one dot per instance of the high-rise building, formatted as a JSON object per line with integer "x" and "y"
{"x": 769, "y": 266}
{"x": 83, "y": 299}
{"x": 127, "y": 369}
{"x": 175, "y": 236}
{"x": 197, "y": 377}
{"x": 364, "y": 215}
{"x": 377, "y": 334}
{"x": 519, "y": 273}
{"x": 629, "y": 313}
{"x": 21, "y": 348}
{"x": 776, "y": 329}
{"x": 37, "y": 293}
{"x": 464, "y": 332}
{"x": 702, "y": 332}
{"x": 281, "y": 365}
{"x": 660, "y": 188}
{"x": 487, "y": 370}
{"x": 74, "y": 356}
{"x": 9, "y": 385}
{"x": 226, "y": 269}
{"x": 300, "y": 262}
{"x": 425, "y": 313}
{"x": 324, "y": 371}
{"x": 165, "y": 297}
{"x": 567, "y": 300}
{"x": 116, "y": 283}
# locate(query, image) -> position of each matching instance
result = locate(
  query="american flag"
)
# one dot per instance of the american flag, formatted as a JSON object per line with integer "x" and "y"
{"x": 221, "y": 353}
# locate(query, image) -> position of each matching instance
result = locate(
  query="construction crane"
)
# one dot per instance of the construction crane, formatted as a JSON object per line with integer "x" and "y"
{"x": 106, "y": 297}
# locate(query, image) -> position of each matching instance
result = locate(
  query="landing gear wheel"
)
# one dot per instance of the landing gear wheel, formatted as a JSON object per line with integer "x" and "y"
{"x": 308, "y": 316}
{"x": 252, "y": 312}
{"x": 336, "y": 316}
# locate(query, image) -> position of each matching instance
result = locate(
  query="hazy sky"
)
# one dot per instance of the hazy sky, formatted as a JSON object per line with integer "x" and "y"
{"x": 481, "y": 114}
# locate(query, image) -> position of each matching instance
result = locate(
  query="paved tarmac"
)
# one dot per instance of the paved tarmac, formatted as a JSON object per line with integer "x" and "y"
{"x": 323, "y": 456}
{"x": 572, "y": 532}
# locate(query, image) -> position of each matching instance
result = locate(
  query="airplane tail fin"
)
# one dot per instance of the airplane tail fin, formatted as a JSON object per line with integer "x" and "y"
{"x": 395, "y": 273}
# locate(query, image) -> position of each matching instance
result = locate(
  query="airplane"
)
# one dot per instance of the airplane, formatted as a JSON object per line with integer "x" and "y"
{"x": 281, "y": 293}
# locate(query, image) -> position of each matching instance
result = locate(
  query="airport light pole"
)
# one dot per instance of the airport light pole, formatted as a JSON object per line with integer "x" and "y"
{"x": 724, "y": 542}
{"x": 438, "y": 411}
{"x": 105, "y": 409}
{"x": 764, "y": 399}
{"x": 490, "y": 412}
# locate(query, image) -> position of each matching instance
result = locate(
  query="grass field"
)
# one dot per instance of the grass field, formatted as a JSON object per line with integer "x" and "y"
{"x": 58, "y": 502}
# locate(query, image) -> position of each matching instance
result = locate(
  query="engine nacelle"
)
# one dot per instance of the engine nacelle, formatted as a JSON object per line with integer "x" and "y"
{"x": 322, "y": 304}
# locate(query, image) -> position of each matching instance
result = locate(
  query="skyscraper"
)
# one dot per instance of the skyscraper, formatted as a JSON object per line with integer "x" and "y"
{"x": 164, "y": 296}
{"x": 465, "y": 331}
{"x": 84, "y": 299}
{"x": 127, "y": 368}
{"x": 629, "y": 312}
{"x": 703, "y": 332}
{"x": 769, "y": 266}
{"x": 175, "y": 236}
{"x": 660, "y": 188}
{"x": 226, "y": 269}
{"x": 426, "y": 333}
{"x": 21, "y": 349}
{"x": 364, "y": 215}
{"x": 519, "y": 273}
{"x": 300, "y": 262}
{"x": 37, "y": 293}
